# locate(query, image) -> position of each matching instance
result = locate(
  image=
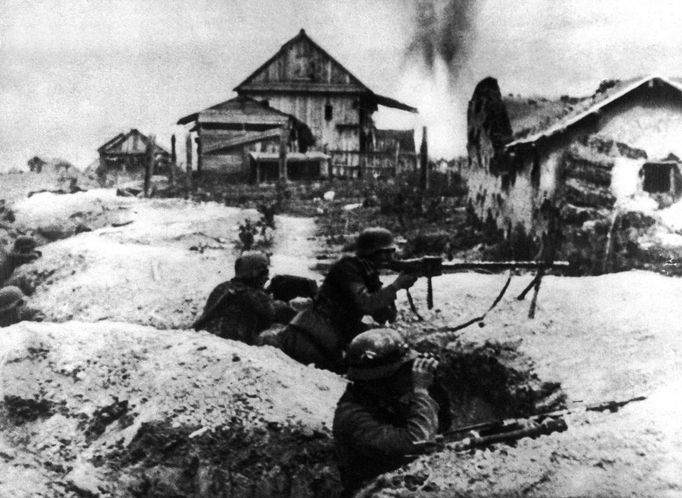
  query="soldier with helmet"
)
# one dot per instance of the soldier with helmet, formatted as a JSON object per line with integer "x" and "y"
{"x": 13, "y": 308}
{"x": 23, "y": 251}
{"x": 240, "y": 309}
{"x": 386, "y": 407}
{"x": 351, "y": 290}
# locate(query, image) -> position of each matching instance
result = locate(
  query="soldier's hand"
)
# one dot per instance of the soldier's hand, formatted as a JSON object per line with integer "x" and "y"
{"x": 423, "y": 372}
{"x": 405, "y": 280}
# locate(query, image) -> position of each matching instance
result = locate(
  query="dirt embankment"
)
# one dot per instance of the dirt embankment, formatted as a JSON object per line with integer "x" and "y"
{"x": 117, "y": 409}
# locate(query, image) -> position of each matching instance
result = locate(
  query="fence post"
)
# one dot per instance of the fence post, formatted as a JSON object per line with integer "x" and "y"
{"x": 424, "y": 161}
{"x": 199, "y": 160}
{"x": 149, "y": 166}
{"x": 173, "y": 160}
{"x": 283, "y": 154}
{"x": 188, "y": 154}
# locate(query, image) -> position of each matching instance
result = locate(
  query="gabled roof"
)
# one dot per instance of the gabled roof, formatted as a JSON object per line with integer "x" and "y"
{"x": 571, "y": 114}
{"x": 132, "y": 142}
{"x": 301, "y": 36}
{"x": 240, "y": 106}
{"x": 355, "y": 86}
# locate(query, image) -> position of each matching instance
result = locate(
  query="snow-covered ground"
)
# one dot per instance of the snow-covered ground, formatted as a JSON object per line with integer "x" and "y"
{"x": 157, "y": 268}
{"x": 610, "y": 337}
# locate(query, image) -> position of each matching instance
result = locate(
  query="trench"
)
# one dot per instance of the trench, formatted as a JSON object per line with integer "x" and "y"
{"x": 482, "y": 381}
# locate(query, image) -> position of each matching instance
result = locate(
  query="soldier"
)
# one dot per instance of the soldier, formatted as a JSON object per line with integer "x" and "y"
{"x": 14, "y": 310}
{"x": 24, "y": 251}
{"x": 240, "y": 309}
{"x": 385, "y": 409}
{"x": 351, "y": 290}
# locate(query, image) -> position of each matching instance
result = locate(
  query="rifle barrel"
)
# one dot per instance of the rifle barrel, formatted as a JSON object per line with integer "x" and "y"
{"x": 500, "y": 265}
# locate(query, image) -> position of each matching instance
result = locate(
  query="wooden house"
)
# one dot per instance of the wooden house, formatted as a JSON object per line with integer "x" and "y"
{"x": 310, "y": 99}
{"x": 579, "y": 154}
{"x": 129, "y": 153}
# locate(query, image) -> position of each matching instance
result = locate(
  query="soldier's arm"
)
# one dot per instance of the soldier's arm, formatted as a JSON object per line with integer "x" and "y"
{"x": 365, "y": 301}
{"x": 371, "y": 437}
{"x": 262, "y": 305}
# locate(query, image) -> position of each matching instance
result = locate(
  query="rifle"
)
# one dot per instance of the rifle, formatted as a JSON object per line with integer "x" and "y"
{"x": 433, "y": 266}
{"x": 486, "y": 433}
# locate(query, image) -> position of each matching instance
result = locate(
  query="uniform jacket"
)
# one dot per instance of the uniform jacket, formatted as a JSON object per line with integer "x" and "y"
{"x": 351, "y": 290}
{"x": 235, "y": 310}
{"x": 374, "y": 436}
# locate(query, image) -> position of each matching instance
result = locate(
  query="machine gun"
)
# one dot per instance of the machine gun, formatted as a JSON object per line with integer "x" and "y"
{"x": 433, "y": 266}
{"x": 508, "y": 430}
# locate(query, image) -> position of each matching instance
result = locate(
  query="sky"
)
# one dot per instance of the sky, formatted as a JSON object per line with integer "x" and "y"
{"x": 74, "y": 74}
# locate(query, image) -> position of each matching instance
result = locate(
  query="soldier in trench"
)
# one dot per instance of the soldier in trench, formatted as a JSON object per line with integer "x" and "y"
{"x": 240, "y": 308}
{"x": 23, "y": 252}
{"x": 320, "y": 334}
{"x": 387, "y": 407}
{"x": 13, "y": 308}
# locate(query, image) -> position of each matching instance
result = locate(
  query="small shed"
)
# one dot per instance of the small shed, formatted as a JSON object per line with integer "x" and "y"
{"x": 229, "y": 131}
{"x": 128, "y": 153}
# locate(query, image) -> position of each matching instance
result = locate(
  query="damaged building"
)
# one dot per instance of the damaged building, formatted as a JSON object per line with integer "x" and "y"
{"x": 300, "y": 115}
{"x": 575, "y": 159}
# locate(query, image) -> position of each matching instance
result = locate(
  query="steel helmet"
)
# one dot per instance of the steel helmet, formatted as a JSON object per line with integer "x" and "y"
{"x": 251, "y": 264}
{"x": 24, "y": 244}
{"x": 375, "y": 239}
{"x": 10, "y": 297}
{"x": 377, "y": 354}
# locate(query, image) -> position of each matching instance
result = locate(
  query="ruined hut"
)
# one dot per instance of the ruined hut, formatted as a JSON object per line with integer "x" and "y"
{"x": 301, "y": 107}
{"x": 577, "y": 155}
{"x": 129, "y": 153}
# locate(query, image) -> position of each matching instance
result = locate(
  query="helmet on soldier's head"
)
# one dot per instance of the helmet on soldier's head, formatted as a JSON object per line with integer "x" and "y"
{"x": 377, "y": 354}
{"x": 10, "y": 297}
{"x": 372, "y": 240}
{"x": 24, "y": 244}
{"x": 251, "y": 264}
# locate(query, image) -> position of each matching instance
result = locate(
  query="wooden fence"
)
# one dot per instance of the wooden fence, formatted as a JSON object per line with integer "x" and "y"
{"x": 354, "y": 164}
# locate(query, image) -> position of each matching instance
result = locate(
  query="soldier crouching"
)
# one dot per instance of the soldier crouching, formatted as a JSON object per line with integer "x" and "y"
{"x": 385, "y": 410}
{"x": 240, "y": 309}
{"x": 352, "y": 289}
{"x": 13, "y": 308}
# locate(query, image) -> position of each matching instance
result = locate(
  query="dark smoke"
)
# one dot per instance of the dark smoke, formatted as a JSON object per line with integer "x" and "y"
{"x": 443, "y": 30}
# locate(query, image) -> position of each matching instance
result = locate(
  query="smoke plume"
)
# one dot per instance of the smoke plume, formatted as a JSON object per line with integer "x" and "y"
{"x": 444, "y": 31}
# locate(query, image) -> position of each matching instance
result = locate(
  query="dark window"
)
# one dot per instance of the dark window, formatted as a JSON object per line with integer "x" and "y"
{"x": 328, "y": 112}
{"x": 656, "y": 177}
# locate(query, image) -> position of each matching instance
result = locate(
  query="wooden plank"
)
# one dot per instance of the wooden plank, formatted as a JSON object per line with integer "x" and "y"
{"x": 284, "y": 133}
{"x": 242, "y": 140}
{"x": 242, "y": 118}
{"x": 302, "y": 86}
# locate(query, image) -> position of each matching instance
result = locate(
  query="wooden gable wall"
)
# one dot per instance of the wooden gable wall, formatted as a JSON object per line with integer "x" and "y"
{"x": 302, "y": 65}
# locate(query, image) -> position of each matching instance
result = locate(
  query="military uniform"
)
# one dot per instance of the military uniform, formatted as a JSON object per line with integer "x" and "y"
{"x": 374, "y": 436}
{"x": 13, "y": 310}
{"x": 237, "y": 311}
{"x": 351, "y": 290}
{"x": 385, "y": 409}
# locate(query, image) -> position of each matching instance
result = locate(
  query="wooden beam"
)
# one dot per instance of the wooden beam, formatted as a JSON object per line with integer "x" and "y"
{"x": 241, "y": 140}
{"x": 242, "y": 118}
{"x": 283, "y": 154}
{"x": 424, "y": 161}
{"x": 173, "y": 160}
{"x": 149, "y": 164}
{"x": 247, "y": 90}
